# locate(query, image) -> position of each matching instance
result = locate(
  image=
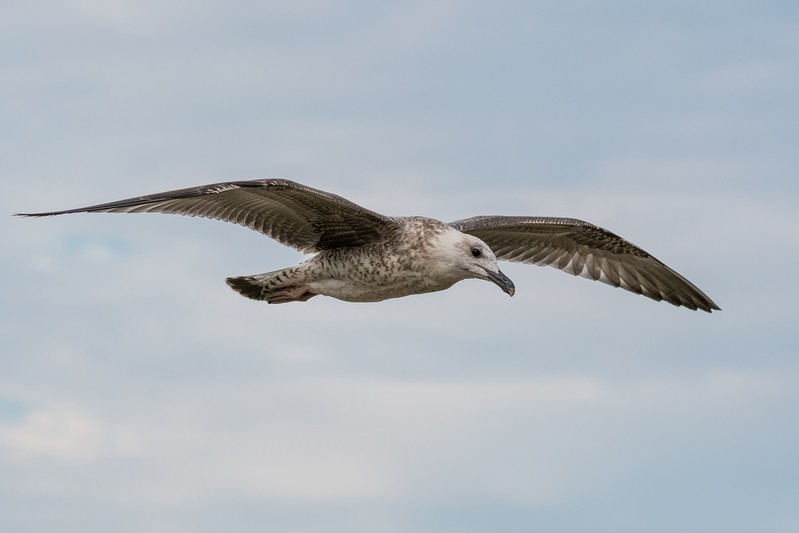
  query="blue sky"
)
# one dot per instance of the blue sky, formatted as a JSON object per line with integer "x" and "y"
{"x": 139, "y": 394}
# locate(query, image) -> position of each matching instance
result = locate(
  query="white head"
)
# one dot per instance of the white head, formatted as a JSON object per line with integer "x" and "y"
{"x": 464, "y": 256}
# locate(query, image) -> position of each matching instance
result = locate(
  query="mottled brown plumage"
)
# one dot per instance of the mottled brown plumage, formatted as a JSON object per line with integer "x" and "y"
{"x": 363, "y": 256}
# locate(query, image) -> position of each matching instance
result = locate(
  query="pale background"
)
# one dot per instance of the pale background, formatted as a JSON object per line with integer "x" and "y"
{"x": 138, "y": 393}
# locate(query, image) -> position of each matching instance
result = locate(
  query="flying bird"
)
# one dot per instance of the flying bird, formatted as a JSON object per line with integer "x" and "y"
{"x": 364, "y": 256}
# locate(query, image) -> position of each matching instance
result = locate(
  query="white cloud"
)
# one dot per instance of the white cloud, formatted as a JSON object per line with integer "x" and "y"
{"x": 339, "y": 440}
{"x": 49, "y": 435}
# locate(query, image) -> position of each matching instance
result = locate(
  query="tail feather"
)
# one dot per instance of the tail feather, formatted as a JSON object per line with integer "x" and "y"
{"x": 248, "y": 286}
{"x": 274, "y": 287}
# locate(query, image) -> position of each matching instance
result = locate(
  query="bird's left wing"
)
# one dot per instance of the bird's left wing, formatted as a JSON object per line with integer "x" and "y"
{"x": 586, "y": 250}
{"x": 291, "y": 213}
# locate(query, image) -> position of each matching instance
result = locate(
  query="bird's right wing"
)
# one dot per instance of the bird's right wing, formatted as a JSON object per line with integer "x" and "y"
{"x": 304, "y": 218}
{"x": 586, "y": 250}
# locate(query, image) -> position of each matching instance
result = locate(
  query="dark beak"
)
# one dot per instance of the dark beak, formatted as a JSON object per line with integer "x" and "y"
{"x": 502, "y": 281}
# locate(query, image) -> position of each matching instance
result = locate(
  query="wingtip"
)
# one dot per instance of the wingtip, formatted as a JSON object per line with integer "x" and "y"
{"x": 34, "y": 215}
{"x": 708, "y": 307}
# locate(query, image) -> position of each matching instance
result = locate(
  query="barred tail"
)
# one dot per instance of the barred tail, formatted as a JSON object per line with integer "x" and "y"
{"x": 249, "y": 286}
{"x": 274, "y": 287}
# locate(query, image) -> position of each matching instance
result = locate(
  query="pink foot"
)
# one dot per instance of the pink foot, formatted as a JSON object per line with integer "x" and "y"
{"x": 290, "y": 294}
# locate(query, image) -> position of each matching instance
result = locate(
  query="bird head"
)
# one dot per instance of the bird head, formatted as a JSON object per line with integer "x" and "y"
{"x": 465, "y": 256}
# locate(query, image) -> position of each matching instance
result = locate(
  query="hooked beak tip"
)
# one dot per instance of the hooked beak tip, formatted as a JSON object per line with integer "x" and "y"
{"x": 502, "y": 281}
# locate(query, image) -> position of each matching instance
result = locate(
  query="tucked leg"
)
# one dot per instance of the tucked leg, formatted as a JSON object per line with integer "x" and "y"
{"x": 289, "y": 294}
{"x": 280, "y": 286}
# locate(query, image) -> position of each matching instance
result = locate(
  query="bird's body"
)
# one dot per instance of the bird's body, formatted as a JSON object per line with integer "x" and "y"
{"x": 363, "y": 256}
{"x": 409, "y": 262}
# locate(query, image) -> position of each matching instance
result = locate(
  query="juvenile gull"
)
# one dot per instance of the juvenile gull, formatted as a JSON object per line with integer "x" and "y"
{"x": 363, "y": 256}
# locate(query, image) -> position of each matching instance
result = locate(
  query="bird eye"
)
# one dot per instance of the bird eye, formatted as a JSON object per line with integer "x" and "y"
{"x": 476, "y": 252}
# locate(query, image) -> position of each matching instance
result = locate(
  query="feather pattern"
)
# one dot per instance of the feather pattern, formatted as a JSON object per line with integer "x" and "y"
{"x": 375, "y": 246}
{"x": 583, "y": 249}
{"x": 302, "y": 217}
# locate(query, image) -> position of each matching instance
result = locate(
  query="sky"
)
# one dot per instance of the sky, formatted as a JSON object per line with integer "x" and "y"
{"x": 138, "y": 393}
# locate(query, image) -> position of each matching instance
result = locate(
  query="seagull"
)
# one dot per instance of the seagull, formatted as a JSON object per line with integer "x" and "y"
{"x": 364, "y": 256}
